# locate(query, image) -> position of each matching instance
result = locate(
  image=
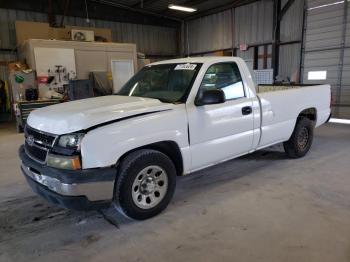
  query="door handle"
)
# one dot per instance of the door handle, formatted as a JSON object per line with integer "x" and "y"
{"x": 247, "y": 110}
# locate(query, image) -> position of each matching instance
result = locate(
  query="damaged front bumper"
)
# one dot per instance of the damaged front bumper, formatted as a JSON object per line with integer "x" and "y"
{"x": 74, "y": 189}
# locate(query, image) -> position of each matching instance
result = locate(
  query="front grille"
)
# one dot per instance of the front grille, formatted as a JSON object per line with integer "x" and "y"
{"x": 37, "y": 144}
{"x": 35, "y": 152}
{"x": 39, "y": 137}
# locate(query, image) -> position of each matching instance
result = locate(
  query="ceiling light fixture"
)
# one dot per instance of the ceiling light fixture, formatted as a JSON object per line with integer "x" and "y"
{"x": 182, "y": 8}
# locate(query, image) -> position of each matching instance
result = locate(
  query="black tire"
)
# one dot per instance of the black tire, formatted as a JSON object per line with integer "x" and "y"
{"x": 301, "y": 140}
{"x": 128, "y": 171}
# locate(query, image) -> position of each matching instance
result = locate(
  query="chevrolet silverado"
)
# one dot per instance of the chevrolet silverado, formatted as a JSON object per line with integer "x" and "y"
{"x": 172, "y": 118}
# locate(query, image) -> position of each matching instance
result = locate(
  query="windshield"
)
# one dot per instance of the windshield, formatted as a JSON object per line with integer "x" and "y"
{"x": 167, "y": 82}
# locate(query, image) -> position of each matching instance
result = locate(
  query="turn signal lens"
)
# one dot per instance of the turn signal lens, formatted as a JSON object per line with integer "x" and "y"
{"x": 64, "y": 162}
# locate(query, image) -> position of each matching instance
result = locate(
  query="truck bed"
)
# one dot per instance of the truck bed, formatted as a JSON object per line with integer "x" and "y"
{"x": 273, "y": 88}
{"x": 281, "y": 105}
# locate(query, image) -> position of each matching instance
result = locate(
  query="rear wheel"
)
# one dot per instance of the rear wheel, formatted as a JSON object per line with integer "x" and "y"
{"x": 146, "y": 184}
{"x": 301, "y": 140}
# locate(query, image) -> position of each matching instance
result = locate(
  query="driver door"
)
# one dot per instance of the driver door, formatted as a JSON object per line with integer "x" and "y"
{"x": 221, "y": 131}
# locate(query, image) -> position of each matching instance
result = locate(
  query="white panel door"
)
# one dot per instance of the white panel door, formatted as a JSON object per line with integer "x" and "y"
{"x": 122, "y": 71}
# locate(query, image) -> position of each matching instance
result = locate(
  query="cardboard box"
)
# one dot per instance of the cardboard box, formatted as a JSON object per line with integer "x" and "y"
{"x": 142, "y": 62}
{"x": 26, "y": 30}
{"x": 34, "y": 30}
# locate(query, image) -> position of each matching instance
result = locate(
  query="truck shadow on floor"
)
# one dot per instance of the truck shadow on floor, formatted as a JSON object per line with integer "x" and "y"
{"x": 29, "y": 214}
{"x": 245, "y": 166}
{"x": 32, "y": 216}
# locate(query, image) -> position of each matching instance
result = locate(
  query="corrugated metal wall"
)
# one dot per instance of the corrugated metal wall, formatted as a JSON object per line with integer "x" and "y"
{"x": 326, "y": 48}
{"x": 215, "y": 30}
{"x": 291, "y": 30}
{"x": 249, "y": 24}
{"x": 292, "y": 22}
{"x": 252, "y": 25}
{"x": 155, "y": 40}
{"x": 290, "y": 61}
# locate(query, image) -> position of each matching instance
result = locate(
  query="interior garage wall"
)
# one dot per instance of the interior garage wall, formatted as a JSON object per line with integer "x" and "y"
{"x": 327, "y": 48}
{"x": 289, "y": 57}
{"x": 250, "y": 24}
{"x": 291, "y": 30}
{"x": 253, "y": 23}
{"x": 153, "y": 40}
{"x": 210, "y": 33}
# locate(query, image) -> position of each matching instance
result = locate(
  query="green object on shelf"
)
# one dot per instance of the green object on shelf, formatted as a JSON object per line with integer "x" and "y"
{"x": 19, "y": 79}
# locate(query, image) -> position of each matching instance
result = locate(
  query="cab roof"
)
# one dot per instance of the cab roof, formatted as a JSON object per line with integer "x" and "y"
{"x": 202, "y": 60}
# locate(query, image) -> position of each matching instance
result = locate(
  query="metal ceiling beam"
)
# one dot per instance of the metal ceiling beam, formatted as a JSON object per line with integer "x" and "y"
{"x": 133, "y": 9}
{"x": 276, "y": 37}
{"x": 50, "y": 14}
{"x": 142, "y": 3}
{"x": 191, "y": 3}
{"x": 285, "y": 9}
{"x": 219, "y": 9}
{"x": 96, "y": 10}
{"x": 65, "y": 12}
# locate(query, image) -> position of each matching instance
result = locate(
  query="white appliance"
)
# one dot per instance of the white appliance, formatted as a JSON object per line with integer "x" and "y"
{"x": 82, "y": 35}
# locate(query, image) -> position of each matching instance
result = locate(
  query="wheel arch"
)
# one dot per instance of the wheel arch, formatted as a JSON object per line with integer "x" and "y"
{"x": 310, "y": 113}
{"x": 169, "y": 148}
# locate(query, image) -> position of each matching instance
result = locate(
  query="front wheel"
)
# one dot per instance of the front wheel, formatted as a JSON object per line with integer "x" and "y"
{"x": 146, "y": 184}
{"x": 301, "y": 140}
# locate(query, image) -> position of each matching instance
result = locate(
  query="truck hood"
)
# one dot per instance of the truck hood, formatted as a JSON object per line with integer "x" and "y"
{"x": 82, "y": 114}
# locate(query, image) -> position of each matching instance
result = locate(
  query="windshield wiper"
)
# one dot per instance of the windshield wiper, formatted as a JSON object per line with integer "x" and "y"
{"x": 163, "y": 100}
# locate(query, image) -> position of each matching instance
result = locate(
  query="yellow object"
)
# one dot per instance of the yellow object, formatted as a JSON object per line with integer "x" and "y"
{"x": 109, "y": 76}
{"x": 76, "y": 163}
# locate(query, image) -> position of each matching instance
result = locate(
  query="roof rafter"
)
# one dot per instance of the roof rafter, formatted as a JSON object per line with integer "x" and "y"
{"x": 142, "y": 3}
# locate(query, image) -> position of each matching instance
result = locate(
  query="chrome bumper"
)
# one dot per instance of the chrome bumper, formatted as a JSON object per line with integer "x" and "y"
{"x": 94, "y": 191}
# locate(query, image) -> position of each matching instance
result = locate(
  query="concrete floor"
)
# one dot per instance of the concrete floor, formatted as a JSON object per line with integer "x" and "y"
{"x": 262, "y": 207}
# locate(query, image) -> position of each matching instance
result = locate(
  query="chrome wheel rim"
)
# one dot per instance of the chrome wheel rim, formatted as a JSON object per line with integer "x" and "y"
{"x": 303, "y": 138}
{"x": 149, "y": 187}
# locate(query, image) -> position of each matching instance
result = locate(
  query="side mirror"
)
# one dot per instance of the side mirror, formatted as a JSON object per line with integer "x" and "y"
{"x": 210, "y": 97}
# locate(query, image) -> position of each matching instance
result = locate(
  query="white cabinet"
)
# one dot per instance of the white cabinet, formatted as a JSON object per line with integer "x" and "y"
{"x": 87, "y": 56}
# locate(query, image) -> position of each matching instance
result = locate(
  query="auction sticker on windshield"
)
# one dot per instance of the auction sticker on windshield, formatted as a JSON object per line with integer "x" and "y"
{"x": 186, "y": 67}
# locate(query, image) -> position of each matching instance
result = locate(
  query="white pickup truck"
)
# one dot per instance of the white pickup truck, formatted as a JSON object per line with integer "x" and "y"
{"x": 172, "y": 118}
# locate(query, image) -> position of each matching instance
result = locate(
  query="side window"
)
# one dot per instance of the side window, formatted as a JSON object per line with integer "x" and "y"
{"x": 224, "y": 76}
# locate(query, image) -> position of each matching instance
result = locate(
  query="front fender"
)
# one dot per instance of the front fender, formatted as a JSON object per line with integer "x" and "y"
{"x": 103, "y": 146}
